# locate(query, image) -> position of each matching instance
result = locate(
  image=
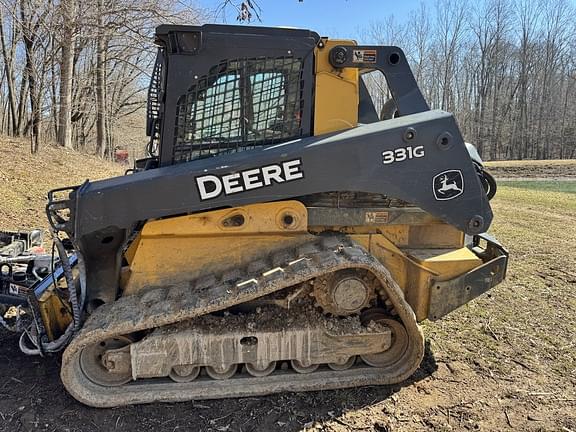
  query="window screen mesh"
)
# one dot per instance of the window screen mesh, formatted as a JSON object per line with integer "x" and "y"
{"x": 153, "y": 105}
{"x": 240, "y": 104}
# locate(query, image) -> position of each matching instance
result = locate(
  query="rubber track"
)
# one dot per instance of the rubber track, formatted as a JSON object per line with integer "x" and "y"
{"x": 168, "y": 305}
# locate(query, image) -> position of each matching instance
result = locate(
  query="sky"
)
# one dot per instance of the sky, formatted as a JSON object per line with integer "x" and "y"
{"x": 334, "y": 18}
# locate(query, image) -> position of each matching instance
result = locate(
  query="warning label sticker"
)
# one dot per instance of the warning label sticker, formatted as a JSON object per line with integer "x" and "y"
{"x": 377, "y": 218}
{"x": 364, "y": 56}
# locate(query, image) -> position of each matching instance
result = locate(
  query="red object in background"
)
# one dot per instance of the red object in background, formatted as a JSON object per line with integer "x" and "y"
{"x": 37, "y": 250}
{"x": 121, "y": 156}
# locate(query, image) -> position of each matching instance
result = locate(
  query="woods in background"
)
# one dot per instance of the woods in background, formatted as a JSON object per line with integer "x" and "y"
{"x": 74, "y": 72}
{"x": 505, "y": 68}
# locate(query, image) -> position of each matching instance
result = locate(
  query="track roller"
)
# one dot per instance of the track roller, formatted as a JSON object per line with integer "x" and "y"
{"x": 302, "y": 368}
{"x": 346, "y": 364}
{"x": 221, "y": 373}
{"x": 258, "y": 371}
{"x": 184, "y": 373}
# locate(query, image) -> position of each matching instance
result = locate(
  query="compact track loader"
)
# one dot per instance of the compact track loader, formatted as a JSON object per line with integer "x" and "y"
{"x": 280, "y": 237}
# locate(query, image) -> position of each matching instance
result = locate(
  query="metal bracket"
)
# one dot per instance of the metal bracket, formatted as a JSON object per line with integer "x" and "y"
{"x": 392, "y": 62}
{"x": 449, "y": 295}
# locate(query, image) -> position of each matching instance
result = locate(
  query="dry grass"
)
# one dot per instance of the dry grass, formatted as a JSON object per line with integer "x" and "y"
{"x": 532, "y": 163}
{"x": 25, "y": 179}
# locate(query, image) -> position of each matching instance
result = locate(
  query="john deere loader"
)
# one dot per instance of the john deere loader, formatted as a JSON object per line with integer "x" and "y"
{"x": 283, "y": 234}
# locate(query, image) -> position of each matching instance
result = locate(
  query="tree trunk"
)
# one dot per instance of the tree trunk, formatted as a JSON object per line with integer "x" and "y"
{"x": 9, "y": 67}
{"x": 100, "y": 87}
{"x": 66, "y": 66}
{"x": 36, "y": 116}
{"x": 100, "y": 99}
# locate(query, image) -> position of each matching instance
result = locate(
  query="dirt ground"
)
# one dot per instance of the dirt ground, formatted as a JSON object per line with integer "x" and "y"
{"x": 506, "y": 361}
{"x": 558, "y": 169}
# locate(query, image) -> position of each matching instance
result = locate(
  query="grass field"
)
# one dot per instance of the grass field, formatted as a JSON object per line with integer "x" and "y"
{"x": 542, "y": 185}
{"x": 506, "y": 361}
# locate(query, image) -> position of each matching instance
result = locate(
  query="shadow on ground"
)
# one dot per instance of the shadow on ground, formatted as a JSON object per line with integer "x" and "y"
{"x": 33, "y": 398}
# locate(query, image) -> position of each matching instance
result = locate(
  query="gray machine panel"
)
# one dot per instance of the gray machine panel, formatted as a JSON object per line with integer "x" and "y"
{"x": 351, "y": 160}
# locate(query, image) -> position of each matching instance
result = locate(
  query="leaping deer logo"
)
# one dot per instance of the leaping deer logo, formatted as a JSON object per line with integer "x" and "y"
{"x": 448, "y": 185}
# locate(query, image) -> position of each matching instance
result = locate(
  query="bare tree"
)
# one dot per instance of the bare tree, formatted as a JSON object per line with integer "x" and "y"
{"x": 506, "y": 68}
{"x": 67, "y": 41}
{"x": 33, "y": 21}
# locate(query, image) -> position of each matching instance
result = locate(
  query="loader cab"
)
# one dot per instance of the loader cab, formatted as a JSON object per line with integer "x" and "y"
{"x": 222, "y": 89}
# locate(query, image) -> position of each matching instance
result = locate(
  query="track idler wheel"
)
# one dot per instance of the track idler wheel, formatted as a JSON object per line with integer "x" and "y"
{"x": 392, "y": 355}
{"x": 100, "y": 367}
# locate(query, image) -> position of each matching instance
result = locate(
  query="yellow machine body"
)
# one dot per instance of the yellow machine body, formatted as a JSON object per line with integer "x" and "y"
{"x": 336, "y": 94}
{"x": 174, "y": 250}
{"x": 178, "y": 249}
